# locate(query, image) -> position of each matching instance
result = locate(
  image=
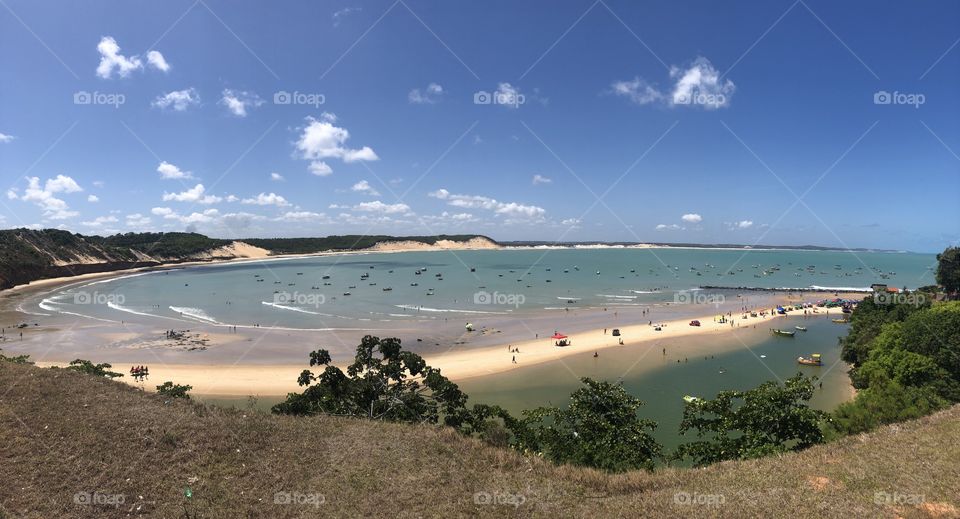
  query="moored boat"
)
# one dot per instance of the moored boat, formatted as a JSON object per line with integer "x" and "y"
{"x": 812, "y": 360}
{"x": 784, "y": 333}
{"x": 801, "y": 328}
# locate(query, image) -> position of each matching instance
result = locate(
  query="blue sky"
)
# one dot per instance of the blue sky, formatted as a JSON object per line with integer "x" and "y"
{"x": 753, "y": 122}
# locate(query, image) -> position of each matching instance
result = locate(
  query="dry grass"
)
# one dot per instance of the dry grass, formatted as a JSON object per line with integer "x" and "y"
{"x": 62, "y": 433}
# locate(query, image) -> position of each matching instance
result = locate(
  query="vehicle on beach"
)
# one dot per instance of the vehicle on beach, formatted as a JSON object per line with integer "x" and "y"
{"x": 615, "y": 332}
{"x": 812, "y": 360}
{"x": 694, "y": 323}
{"x": 784, "y": 333}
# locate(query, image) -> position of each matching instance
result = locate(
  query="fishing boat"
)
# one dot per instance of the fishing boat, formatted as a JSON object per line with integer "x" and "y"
{"x": 690, "y": 399}
{"x": 785, "y": 333}
{"x": 812, "y": 360}
{"x": 801, "y": 328}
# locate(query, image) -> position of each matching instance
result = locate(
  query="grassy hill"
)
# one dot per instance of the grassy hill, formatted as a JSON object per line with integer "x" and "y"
{"x": 64, "y": 433}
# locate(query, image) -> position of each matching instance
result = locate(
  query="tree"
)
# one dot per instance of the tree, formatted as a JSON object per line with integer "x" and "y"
{"x": 884, "y": 402}
{"x": 174, "y": 390}
{"x": 600, "y": 428}
{"x": 97, "y": 370}
{"x": 19, "y": 359}
{"x": 383, "y": 383}
{"x": 948, "y": 269}
{"x": 749, "y": 424}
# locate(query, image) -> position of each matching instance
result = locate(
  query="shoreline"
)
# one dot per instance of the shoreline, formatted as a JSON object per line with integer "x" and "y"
{"x": 265, "y": 380}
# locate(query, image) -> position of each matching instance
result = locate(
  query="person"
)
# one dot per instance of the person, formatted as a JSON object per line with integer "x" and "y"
{"x": 595, "y": 354}
{"x": 514, "y": 359}
{"x": 621, "y": 341}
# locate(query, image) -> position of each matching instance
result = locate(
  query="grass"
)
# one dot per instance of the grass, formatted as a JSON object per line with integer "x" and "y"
{"x": 63, "y": 432}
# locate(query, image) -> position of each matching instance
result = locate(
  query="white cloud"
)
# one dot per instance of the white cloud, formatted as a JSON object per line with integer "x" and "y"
{"x": 99, "y": 221}
{"x": 338, "y": 16}
{"x": 157, "y": 61}
{"x": 380, "y": 207}
{"x": 671, "y": 227}
{"x": 196, "y": 194}
{"x": 744, "y": 224}
{"x": 267, "y": 199}
{"x": 93, "y": 199}
{"x": 111, "y": 59}
{"x": 53, "y": 208}
{"x": 699, "y": 84}
{"x": 12, "y": 194}
{"x": 429, "y": 95}
{"x": 178, "y": 100}
{"x": 238, "y": 101}
{"x": 571, "y": 222}
{"x": 320, "y": 139}
{"x": 364, "y": 187}
{"x": 169, "y": 171}
{"x": 692, "y": 218}
{"x": 540, "y": 179}
{"x": 137, "y": 220}
{"x": 511, "y": 209}
{"x": 508, "y": 95}
{"x": 276, "y": 177}
{"x": 301, "y": 216}
{"x": 6, "y": 138}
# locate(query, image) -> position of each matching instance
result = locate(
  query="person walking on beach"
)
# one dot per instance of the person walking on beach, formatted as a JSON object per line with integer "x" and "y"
{"x": 514, "y": 359}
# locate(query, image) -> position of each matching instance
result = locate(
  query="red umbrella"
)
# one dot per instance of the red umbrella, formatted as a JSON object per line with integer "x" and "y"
{"x": 559, "y": 335}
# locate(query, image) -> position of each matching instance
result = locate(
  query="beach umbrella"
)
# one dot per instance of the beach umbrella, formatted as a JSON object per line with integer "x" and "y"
{"x": 559, "y": 335}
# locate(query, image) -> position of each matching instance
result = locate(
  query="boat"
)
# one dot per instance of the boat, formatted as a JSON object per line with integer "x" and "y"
{"x": 840, "y": 321}
{"x": 387, "y": 289}
{"x": 784, "y": 333}
{"x": 812, "y": 360}
{"x": 690, "y": 399}
{"x": 346, "y": 293}
{"x": 801, "y": 328}
{"x": 325, "y": 277}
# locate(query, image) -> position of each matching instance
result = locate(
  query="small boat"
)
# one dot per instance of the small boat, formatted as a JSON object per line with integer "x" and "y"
{"x": 812, "y": 360}
{"x": 346, "y": 293}
{"x": 325, "y": 277}
{"x": 784, "y": 333}
{"x": 840, "y": 321}
{"x": 801, "y": 328}
{"x": 473, "y": 269}
{"x": 387, "y": 289}
{"x": 691, "y": 399}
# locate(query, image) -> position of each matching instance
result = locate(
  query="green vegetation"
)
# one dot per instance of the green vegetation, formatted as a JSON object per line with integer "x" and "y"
{"x": 347, "y": 242}
{"x": 948, "y": 270}
{"x": 174, "y": 390}
{"x": 600, "y": 429}
{"x": 768, "y": 419}
{"x": 162, "y": 244}
{"x": 19, "y": 359}
{"x": 97, "y": 370}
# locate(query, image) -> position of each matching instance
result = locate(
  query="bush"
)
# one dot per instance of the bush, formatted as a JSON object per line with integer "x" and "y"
{"x": 174, "y": 390}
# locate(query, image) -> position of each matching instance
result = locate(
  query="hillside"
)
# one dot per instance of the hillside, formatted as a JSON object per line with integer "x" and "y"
{"x": 63, "y": 433}
{"x": 28, "y": 255}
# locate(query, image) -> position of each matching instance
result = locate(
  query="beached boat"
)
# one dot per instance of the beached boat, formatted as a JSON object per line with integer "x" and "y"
{"x": 812, "y": 360}
{"x": 801, "y": 328}
{"x": 784, "y": 333}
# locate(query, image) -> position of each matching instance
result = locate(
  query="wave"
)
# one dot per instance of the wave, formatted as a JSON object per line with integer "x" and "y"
{"x": 446, "y": 310}
{"x": 569, "y": 298}
{"x": 194, "y": 313}
{"x": 295, "y": 309}
{"x": 616, "y": 297}
{"x": 839, "y": 289}
{"x": 646, "y": 292}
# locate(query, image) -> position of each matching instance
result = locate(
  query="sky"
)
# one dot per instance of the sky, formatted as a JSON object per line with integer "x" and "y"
{"x": 774, "y": 122}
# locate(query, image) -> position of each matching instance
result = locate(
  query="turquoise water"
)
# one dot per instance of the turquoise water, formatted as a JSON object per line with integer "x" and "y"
{"x": 293, "y": 293}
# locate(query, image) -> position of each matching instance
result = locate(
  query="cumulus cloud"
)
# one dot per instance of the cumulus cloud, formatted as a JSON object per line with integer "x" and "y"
{"x": 697, "y": 85}
{"x": 196, "y": 194}
{"x": 320, "y": 140}
{"x": 44, "y": 197}
{"x": 111, "y": 60}
{"x": 692, "y": 218}
{"x": 510, "y": 209}
{"x": 380, "y": 207}
{"x": 178, "y": 100}
{"x": 301, "y": 216}
{"x": 364, "y": 187}
{"x": 157, "y": 61}
{"x": 100, "y": 221}
{"x": 238, "y": 101}
{"x": 276, "y": 177}
{"x": 508, "y": 95}
{"x": 4, "y": 138}
{"x": 137, "y": 220}
{"x": 93, "y": 199}
{"x": 429, "y": 95}
{"x": 169, "y": 171}
{"x": 267, "y": 199}
{"x": 671, "y": 227}
{"x": 540, "y": 179}
{"x": 744, "y": 224}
